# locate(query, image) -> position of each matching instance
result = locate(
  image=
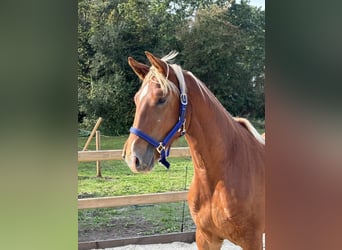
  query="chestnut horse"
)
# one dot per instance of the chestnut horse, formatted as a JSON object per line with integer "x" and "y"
{"x": 227, "y": 194}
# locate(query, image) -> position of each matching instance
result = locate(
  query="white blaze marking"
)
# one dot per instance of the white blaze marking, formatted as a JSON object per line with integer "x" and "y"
{"x": 130, "y": 160}
{"x": 143, "y": 92}
{"x": 132, "y": 150}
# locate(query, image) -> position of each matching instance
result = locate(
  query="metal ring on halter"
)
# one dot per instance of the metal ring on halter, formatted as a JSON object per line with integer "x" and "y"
{"x": 183, "y": 98}
{"x": 182, "y": 129}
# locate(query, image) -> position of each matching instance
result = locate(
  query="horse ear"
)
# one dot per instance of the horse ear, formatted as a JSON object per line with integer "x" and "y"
{"x": 159, "y": 64}
{"x": 139, "y": 69}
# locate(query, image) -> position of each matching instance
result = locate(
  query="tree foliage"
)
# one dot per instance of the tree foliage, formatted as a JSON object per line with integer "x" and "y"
{"x": 229, "y": 58}
{"x": 220, "y": 42}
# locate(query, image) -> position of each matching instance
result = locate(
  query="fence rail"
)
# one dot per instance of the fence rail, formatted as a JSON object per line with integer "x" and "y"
{"x": 129, "y": 200}
{"x": 104, "y": 155}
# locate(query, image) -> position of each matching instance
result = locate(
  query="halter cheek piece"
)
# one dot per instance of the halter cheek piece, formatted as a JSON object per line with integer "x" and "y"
{"x": 161, "y": 146}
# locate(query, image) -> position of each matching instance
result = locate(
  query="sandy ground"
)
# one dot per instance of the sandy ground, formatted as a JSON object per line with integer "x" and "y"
{"x": 173, "y": 246}
{"x": 227, "y": 245}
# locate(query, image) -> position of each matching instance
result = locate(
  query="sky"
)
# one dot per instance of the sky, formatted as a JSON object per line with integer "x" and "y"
{"x": 259, "y": 3}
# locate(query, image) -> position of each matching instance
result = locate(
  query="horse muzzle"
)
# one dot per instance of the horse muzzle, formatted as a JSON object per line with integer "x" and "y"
{"x": 139, "y": 160}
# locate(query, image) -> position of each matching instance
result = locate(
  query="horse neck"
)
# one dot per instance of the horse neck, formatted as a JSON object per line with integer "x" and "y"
{"x": 211, "y": 130}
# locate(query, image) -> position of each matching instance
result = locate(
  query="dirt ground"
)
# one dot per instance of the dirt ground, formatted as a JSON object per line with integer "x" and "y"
{"x": 132, "y": 231}
{"x": 133, "y": 223}
{"x": 123, "y": 230}
{"x": 134, "y": 228}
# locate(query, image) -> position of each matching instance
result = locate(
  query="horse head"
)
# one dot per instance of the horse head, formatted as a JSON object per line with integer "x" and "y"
{"x": 157, "y": 111}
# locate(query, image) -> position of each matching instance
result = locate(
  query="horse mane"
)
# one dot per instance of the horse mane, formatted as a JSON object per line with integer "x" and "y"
{"x": 165, "y": 84}
{"x": 169, "y": 56}
{"x": 247, "y": 125}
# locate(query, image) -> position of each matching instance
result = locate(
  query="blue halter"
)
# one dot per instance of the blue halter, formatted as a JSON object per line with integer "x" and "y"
{"x": 161, "y": 146}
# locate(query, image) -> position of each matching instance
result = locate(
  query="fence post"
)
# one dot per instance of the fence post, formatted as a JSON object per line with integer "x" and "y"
{"x": 92, "y": 133}
{"x": 98, "y": 147}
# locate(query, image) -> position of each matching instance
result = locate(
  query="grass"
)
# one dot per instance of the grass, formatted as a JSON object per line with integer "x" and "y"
{"x": 107, "y": 142}
{"x": 119, "y": 180}
{"x": 134, "y": 220}
{"x": 137, "y": 220}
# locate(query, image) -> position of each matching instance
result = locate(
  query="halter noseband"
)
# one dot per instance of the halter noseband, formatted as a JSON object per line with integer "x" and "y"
{"x": 178, "y": 127}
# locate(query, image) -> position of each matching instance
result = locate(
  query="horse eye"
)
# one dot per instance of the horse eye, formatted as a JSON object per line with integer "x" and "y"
{"x": 161, "y": 101}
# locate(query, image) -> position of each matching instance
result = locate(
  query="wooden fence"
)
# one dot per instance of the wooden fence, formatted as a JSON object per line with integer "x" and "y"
{"x": 130, "y": 200}
{"x": 105, "y": 155}
{"x": 116, "y": 201}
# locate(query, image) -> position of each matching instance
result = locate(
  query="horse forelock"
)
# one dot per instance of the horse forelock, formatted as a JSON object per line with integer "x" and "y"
{"x": 155, "y": 76}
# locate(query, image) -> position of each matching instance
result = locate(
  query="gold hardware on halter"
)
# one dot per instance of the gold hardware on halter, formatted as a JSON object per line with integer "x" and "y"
{"x": 160, "y": 148}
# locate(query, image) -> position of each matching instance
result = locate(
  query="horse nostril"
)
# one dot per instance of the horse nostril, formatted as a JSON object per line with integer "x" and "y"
{"x": 137, "y": 163}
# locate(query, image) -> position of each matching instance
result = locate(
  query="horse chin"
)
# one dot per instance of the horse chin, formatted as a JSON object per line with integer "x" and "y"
{"x": 141, "y": 169}
{"x": 140, "y": 166}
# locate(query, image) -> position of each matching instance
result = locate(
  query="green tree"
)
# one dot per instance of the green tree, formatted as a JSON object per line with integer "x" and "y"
{"x": 229, "y": 58}
{"x": 223, "y": 46}
{"x": 85, "y": 53}
{"x": 119, "y": 29}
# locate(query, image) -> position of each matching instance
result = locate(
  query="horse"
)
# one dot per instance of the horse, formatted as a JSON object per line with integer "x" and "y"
{"x": 248, "y": 125}
{"x": 226, "y": 197}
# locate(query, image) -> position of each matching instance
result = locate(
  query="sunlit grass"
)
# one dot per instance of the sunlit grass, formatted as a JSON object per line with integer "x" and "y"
{"x": 118, "y": 179}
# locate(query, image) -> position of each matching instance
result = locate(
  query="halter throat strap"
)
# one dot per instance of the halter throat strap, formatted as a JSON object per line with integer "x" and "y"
{"x": 161, "y": 146}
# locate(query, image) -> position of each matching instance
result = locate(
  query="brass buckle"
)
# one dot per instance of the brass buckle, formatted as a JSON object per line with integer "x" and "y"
{"x": 160, "y": 148}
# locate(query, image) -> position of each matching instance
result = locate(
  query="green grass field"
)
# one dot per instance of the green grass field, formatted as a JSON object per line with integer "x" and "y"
{"x": 117, "y": 179}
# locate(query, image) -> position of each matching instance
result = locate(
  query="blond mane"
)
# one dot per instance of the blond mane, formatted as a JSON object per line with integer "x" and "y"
{"x": 244, "y": 122}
